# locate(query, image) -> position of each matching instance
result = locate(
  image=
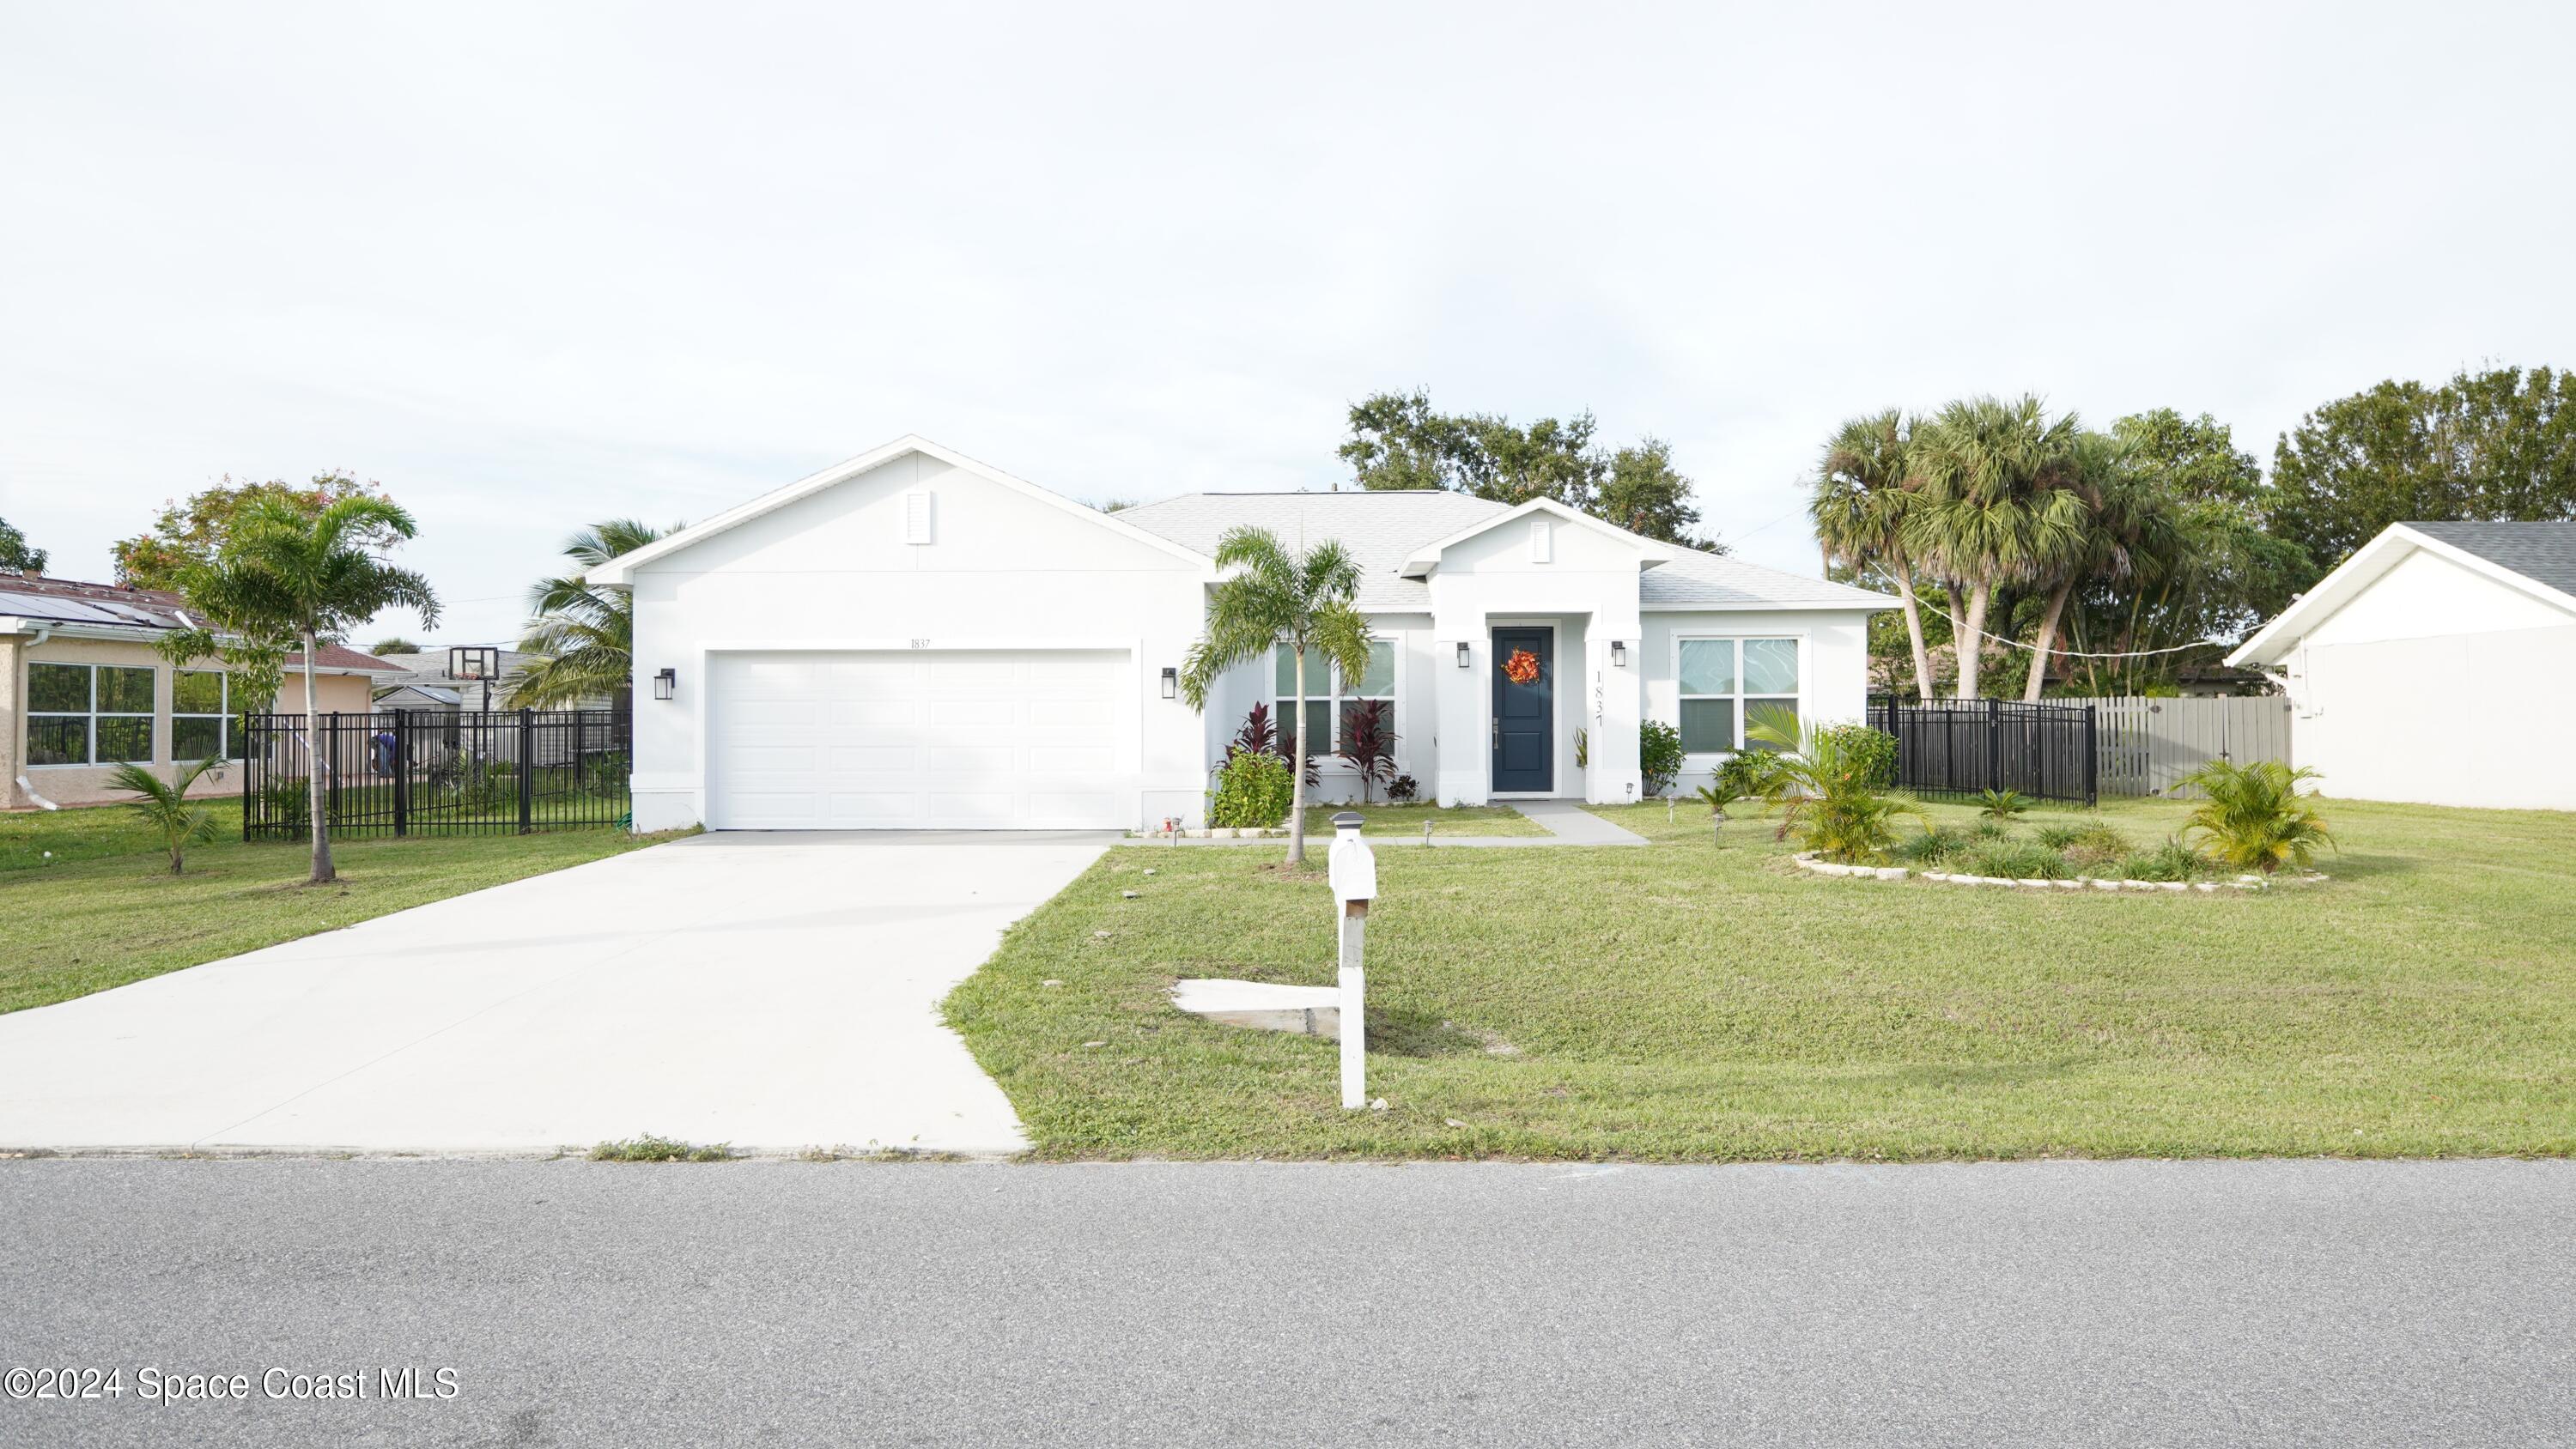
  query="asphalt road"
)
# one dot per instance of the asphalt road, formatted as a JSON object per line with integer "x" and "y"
{"x": 2320, "y": 1303}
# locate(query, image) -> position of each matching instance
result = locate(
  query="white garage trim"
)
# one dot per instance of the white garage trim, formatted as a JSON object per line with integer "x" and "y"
{"x": 987, "y": 734}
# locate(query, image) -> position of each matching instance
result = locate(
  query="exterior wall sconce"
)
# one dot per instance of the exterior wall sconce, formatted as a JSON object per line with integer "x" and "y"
{"x": 666, "y": 683}
{"x": 1618, "y": 653}
{"x": 1171, "y": 683}
{"x": 1462, "y": 654}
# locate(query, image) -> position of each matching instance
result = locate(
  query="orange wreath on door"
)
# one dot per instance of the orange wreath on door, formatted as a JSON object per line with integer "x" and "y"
{"x": 1521, "y": 668}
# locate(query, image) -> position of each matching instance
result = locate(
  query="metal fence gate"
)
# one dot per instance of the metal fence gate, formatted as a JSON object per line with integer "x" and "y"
{"x": 437, "y": 772}
{"x": 1962, "y": 746}
{"x": 2148, "y": 745}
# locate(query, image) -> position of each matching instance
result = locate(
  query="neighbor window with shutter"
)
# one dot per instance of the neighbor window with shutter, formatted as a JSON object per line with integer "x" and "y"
{"x": 1725, "y": 682}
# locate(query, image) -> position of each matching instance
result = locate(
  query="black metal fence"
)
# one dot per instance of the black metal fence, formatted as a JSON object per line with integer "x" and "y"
{"x": 1962, "y": 746}
{"x": 437, "y": 772}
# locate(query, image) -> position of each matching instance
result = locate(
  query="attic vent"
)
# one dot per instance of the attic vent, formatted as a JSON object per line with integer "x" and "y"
{"x": 1541, "y": 542}
{"x": 916, "y": 518}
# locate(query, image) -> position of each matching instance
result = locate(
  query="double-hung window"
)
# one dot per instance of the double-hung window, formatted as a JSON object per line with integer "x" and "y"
{"x": 200, "y": 718}
{"x": 88, "y": 714}
{"x": 1322, "y": 715}
{"x": 1728, "y": 683}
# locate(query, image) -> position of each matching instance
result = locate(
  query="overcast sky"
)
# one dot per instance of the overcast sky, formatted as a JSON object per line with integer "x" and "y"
{"x": 530, "y": 266}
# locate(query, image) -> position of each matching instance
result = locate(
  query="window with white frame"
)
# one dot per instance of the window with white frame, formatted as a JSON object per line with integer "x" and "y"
{"x": 88, "y": 714}
{"x": 1321, "y": 713}
{"x": 1725, "y": 681}
{"x": 200, "y": 717}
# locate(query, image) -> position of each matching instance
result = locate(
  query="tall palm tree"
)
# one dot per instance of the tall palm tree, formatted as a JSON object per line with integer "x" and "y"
{"x": 1863, "y": 488}
{"x": 1275, "y": 597}
{"x": 2127, "y": 532}
{"x": 290, "y": 575}
{"x": 582, "y": 640}
{"x": 1991, "y": 511}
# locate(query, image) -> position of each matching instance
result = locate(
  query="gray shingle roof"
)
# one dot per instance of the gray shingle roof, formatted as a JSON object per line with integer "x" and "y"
{"x": 2543, "y": 552}
{"x": 1382, "y": 530}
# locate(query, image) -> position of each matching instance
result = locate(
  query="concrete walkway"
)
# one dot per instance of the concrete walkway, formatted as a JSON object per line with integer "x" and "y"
{"x": 769, "y": 990}
{"x": 1565, "y": 821}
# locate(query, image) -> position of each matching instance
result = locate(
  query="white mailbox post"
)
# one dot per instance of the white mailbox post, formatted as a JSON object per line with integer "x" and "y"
{"x": 1352, "y": 868}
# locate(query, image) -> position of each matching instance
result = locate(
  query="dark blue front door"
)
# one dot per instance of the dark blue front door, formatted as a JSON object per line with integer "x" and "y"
{"x": 1525, "y": 714}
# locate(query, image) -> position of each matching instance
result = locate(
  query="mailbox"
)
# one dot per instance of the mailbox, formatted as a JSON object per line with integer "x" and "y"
{"x": 1352, "y": 866}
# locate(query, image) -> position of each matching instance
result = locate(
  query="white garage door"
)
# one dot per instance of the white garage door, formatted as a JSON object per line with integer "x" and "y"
{"x": 919, "y": 739}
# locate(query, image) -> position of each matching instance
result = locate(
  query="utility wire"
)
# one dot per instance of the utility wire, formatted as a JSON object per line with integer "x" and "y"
{"x": 2055, "y": 653}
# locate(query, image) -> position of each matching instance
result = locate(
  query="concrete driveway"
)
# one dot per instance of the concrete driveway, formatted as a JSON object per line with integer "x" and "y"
{"x": 776, "y": 991}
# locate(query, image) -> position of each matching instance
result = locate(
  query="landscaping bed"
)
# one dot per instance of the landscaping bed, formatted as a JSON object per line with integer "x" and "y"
{"x": 1700, "y": 1002}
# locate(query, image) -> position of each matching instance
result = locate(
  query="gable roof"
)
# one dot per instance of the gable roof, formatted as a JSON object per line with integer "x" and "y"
{"x": 1427, "y": 557}
{"x": 2538, "y": 559}
{"x": 621, "y": 569}
{"x": 1385, "y": 530}
{"x": 1381, "y": 530}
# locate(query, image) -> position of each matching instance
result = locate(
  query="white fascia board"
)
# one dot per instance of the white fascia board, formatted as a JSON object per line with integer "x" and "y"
{"x": 621, "y": 569}
{"x": 66, "y": 629}
{"x": 1882, "y": 602}
{"x": 2273, "y": 642}
{"x": 1426, "y": 558}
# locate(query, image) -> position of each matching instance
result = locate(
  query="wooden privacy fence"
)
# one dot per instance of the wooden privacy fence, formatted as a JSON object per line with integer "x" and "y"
{"x": 437, "y": 772}
{"x": 2148, "y": 745}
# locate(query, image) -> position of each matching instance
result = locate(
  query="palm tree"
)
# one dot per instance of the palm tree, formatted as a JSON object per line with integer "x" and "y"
{"x": 165, "y": 806}
{"x": 1990, "y": 511}
{"x": 2126, "y": 531}
{"x": 1274, "y": 597}
{"x": 290, "y": 575}
{"x": 582, "y": 640}
{"x": 1862, "y": 491}
{"x": 2255, "y": 816}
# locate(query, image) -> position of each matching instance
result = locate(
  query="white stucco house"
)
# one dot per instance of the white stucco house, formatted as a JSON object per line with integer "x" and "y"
{"x": 2437, "y": 665}
{"x": 912, "y": 639}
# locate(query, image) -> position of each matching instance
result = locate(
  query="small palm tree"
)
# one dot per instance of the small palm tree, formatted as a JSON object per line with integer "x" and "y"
{"x": 1824, "y": 792}
{"x": 2254, "y": 816}
{"x": 165, "y": 806}
{"x": 581, "y": 644}
{"x": 2002, "y": 805}
{"x": 1274, "y": 597}
{"x": 291, "y": 575}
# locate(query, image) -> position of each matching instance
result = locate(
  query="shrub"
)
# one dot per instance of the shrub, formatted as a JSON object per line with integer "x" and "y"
{"x": 287, "y": 803}
{"x": 1402, "y": 788}
{"x": 2002, "y": 804}
{"x": 2015, "y": 860}
{"x": 1368, "y": 742}
{"x": 1748, "y": 773}
{"x": 1990, "y": 830}
{"x": 1823, "y": 797}
{"x": 1253, "y": 788}
{"x": 1659, "y": 755}
{"x": 2255, "y": 817}
{"x": 1936, "y": 844}
{"x": 1871, "y": 751}
{"x": 2088, "y": 845}
{"x": 2172, "y": 860}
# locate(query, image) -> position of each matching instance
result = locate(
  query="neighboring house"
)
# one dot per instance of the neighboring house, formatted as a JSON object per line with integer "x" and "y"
{"x": 421, "y": 681}
{"x": 83, "y": 688}
{"x": 913, "y": 639}
{"x": 2437, "y": 665}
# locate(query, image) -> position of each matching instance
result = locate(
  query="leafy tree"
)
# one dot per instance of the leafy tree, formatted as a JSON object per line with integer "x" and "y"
{"x": 2203, "y": 569}
{"x": 166, "y": 808}
{"x": 581, "y": 644}
{"x": 281, "y": 576}
{"x": 17, "y": 556}
{"x": 190, "y": 532}
{"x": 1645, "y": 494}
{"x": 1863, "y": 489}
{"x": 2494, "y": 445}
{"x": 1994, "y": 508}
{"x": 1273, "y": 597}
{"x": 394, "y": 644}
{"x": 1397, "y": 441}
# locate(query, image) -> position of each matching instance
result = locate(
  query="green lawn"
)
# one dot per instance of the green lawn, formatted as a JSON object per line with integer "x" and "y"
{"x": 1408, "y": 820}
{"x": 1695, "y": 1002}
{"x": 106, "y": 910}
